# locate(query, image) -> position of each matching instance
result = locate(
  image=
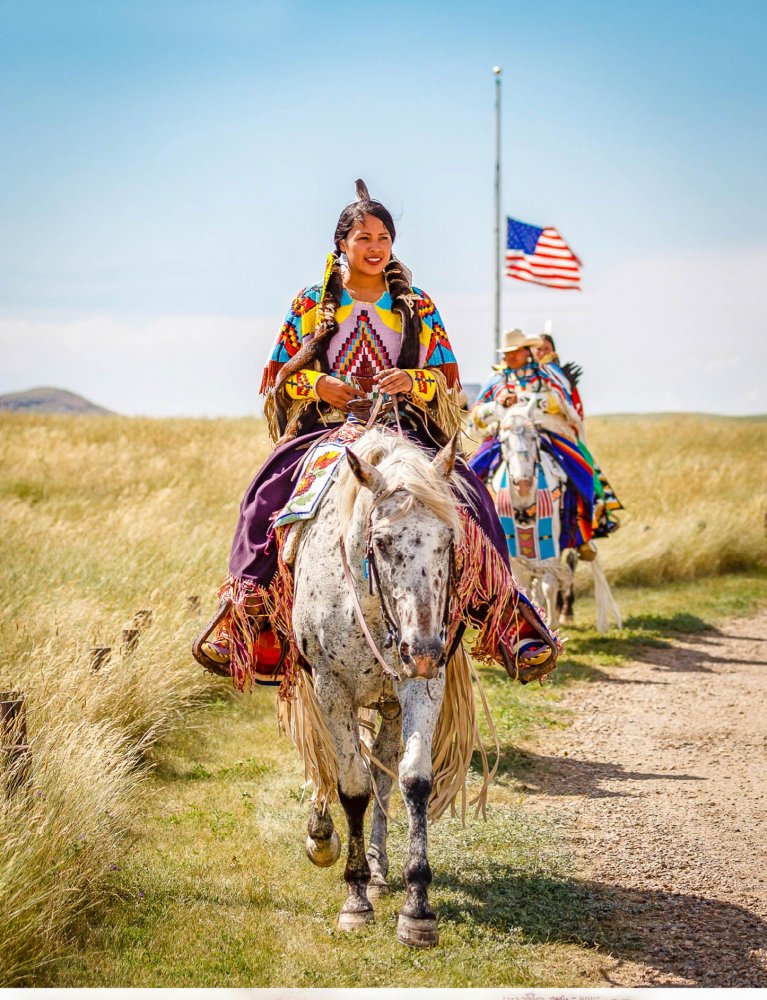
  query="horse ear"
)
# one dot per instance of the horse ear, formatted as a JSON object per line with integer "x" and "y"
{"x": 444, "y": 461}
{"x": 364, "y": 473}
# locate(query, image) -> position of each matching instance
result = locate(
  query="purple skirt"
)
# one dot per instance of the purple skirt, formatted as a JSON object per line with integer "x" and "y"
{"x": 254, "y": 548}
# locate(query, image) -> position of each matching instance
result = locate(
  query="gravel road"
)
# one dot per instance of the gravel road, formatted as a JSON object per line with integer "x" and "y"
{"x": 663, "y": 777}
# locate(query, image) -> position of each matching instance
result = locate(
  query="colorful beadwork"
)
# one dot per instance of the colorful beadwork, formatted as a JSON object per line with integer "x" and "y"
{"x": 368, "y": 338}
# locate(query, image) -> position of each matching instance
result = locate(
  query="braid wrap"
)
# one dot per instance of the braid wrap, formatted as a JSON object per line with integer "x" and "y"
{"x": 315, "y": 348}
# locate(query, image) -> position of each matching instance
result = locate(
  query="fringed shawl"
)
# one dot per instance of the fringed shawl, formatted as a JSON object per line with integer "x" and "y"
{"x": 303, "y": 320}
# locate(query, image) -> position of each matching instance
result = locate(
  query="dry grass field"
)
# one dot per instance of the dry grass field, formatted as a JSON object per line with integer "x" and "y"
{"x": 103, "y": 516}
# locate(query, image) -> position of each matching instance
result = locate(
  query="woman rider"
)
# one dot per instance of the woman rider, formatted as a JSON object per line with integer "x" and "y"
{"x": 365, "y": 328}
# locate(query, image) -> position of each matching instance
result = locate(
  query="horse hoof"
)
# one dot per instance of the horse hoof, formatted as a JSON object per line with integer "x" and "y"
{"x": 417, "y": 933}
{"x": 356, "y": 921}
{"x": 324, "y": 853}
{"x": 376, "y": 890}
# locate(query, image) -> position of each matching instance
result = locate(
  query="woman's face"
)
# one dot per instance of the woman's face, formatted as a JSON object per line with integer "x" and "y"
{"x": 546, "y": 348}
{"x": 367, "y": 246}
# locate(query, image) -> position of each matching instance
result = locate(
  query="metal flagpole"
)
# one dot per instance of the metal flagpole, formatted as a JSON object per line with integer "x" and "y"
{"x": 497, "y": 72}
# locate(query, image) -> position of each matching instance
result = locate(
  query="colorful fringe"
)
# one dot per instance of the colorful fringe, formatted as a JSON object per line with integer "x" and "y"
{"x": 485, "y": 581}
{"x": 483, "y": 585}
{"x": 275, "y": 604}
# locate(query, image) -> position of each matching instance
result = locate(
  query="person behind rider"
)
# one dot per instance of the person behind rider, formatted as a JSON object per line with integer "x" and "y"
{"x": 568, "y": 375}
{"x": 364, "y": 328}
{"x": 521, "y": 376}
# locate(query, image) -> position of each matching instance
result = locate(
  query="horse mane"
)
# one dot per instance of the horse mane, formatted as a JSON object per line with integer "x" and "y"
{"x": 403, "y": 464}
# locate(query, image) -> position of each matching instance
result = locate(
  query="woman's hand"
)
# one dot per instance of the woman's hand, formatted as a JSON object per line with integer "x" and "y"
{"x": 339, "y": 394}
{"x": 393, "y": 380}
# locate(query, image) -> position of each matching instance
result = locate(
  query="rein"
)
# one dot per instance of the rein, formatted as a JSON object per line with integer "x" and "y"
{"x": 374, "y": 577}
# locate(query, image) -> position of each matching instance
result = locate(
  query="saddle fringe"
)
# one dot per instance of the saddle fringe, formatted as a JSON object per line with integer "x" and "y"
{"x": 456, "y": 737}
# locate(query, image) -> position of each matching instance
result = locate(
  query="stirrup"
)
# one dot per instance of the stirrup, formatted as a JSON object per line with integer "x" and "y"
{"x": 525, "y": 670}
{"x": 212, "y": 666}
{"x": 540, "y": 659}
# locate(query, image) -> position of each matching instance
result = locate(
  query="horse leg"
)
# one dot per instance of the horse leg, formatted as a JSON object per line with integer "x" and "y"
{"x": 550, "y": 587}
{"x": 421, "y": 702}
{"x": 568, "y": 605}
{"x": 354, "y": 792}
{"x": 323, "y": 845}
{"x": 386, "y": 750}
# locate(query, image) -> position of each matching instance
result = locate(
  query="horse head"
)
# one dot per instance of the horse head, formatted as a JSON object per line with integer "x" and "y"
{"x": 405, "y": 508}
{"x": 518, "y": 437}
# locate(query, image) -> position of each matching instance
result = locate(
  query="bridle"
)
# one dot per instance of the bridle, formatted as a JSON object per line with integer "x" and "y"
{"x": 374, "y": 583}
{"x": 526, "y": 512}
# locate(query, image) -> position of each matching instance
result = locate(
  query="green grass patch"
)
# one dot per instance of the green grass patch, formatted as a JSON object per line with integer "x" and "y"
{"x": 217, "y": 891}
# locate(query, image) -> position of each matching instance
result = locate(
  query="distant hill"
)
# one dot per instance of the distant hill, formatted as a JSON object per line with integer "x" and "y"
{"x": 48, "y": 400}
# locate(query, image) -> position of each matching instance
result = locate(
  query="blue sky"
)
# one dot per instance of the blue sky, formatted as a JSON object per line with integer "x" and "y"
{"x": 172, "y": 173}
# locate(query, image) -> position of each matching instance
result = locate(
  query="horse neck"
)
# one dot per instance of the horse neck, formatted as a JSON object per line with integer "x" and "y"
{"x": 518, "y": 502}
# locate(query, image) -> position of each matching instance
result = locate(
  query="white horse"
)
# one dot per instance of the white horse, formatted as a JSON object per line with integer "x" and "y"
{"x": 377, "y": 557}
{"x": 548, "y": 581}
{"x": 516, "y": 486}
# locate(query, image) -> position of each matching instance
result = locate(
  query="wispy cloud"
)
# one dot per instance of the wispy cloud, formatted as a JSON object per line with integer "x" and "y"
{"x": 675, "y": 332}
{"x": 209, "y": 365}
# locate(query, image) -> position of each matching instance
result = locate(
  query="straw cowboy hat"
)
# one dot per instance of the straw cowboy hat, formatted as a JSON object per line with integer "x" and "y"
{"x": 512, "y": 340}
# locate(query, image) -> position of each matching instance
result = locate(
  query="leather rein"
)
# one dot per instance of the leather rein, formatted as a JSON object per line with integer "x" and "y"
{"x": 374, "y": 577}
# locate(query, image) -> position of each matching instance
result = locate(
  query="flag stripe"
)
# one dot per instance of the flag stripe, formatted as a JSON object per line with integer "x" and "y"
{"x": 543, "y": 265}
{"x": 542, "y": 271}
{"x": 523, "y": 273}
{"x": 540, "y": 256}
{"x": 548, "y": 282}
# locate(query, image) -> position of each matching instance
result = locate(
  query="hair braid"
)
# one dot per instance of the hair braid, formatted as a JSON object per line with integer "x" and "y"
{"x": 315, "y": 348}
{"x": 405, "y": 302}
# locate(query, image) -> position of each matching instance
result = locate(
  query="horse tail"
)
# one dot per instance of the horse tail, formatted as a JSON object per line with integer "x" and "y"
{"x": 606, "y": 606}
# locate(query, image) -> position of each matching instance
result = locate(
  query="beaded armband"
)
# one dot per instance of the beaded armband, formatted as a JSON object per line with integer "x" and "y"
{"x": 424, "y": 383}
{"x": 301, "y": 385}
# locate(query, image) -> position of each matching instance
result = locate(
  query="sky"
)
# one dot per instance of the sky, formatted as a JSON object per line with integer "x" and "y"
{"x": 172, "y": 171}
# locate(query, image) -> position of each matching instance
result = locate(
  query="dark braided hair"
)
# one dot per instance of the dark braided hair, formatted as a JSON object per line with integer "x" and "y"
{"x": 398, "y": 284}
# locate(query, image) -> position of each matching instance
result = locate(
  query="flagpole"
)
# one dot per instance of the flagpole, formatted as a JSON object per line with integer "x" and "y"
{"x": 497, "y": 71}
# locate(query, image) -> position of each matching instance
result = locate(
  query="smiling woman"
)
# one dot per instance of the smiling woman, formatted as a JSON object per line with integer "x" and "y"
{"x": 364, "y": 333}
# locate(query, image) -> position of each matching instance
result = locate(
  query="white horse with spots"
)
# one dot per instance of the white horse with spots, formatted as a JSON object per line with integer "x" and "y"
{"x": 393, "y": 517}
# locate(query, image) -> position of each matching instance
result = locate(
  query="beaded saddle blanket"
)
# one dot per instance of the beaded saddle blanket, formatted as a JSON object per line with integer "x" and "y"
{"x": 317, "y": 472}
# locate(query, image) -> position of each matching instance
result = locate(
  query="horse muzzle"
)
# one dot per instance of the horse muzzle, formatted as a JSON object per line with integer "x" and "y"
{"x": 422, "y": 659}
{"x": 523, "y": 486}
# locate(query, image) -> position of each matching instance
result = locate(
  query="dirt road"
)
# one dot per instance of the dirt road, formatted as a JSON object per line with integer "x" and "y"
{"x": 663, "y": 774}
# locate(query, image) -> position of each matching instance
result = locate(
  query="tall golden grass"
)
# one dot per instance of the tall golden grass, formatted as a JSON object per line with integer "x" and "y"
{"x": 100, "y": 517}
{"x": 695, "y": 492}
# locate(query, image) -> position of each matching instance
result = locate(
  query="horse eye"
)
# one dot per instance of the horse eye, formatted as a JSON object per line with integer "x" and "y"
{"x": 383, "y": 541}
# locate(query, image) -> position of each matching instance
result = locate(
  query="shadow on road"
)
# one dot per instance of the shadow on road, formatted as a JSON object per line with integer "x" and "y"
{"x": 705, "y": 941}
{"x": 554, "y": 775}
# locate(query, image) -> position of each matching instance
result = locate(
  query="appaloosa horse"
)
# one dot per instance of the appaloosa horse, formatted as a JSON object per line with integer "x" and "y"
{"x": 377, "y": 557}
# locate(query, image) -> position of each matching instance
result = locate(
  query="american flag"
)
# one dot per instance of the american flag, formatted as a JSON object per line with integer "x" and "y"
{"x": 541, "y": 256}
